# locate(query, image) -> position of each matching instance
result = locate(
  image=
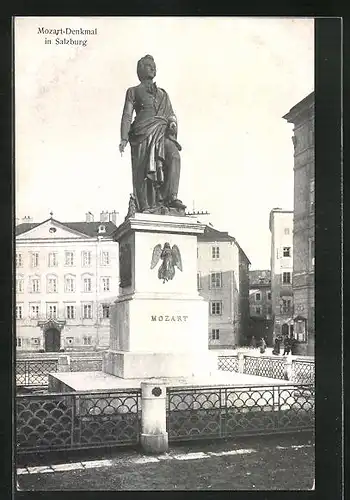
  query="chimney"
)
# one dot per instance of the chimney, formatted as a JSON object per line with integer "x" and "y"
{"x": 89, "y": 217}
{"x": 104, "y": 216}
{"x": 113, "y": 217}
{"x": 27, "y": 220}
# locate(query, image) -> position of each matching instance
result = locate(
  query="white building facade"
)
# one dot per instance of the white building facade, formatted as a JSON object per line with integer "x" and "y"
{"x": 281, "y": 228}
{"x": 223, "y": 280}
{"x": 66, "y": 278}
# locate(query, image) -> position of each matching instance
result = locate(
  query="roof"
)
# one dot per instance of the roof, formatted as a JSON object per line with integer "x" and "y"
{"x": 87, "y": 228}
{"x": 300, "y": 107}
{"x": 211, "y": 234}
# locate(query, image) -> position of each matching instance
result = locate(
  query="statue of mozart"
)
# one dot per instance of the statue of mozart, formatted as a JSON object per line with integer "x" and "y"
{"x": 153, "y": 140}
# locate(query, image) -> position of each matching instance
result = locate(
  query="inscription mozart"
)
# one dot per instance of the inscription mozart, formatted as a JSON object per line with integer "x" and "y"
{"x": 169, "y": 318}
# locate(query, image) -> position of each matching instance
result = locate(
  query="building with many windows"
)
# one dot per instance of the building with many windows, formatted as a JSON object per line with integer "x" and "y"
{"x": 66, "y": 279}
{"x": 281, "y": 228}
{"x": 260, "y": 305}
{"x": 302, "y": 115}
{"x": 223, "y": 280}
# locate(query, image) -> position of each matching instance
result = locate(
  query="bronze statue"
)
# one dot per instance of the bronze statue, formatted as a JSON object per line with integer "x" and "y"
{"x": 153, "y": 140}
{"x": 171, "y": 257}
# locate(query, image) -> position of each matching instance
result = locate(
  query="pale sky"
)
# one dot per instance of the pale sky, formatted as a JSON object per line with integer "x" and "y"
{"x": 230, "y": 81}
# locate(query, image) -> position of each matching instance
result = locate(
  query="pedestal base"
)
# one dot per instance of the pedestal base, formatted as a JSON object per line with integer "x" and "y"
{"x": 154, "y": 443}
{"x": 143, "y": 365}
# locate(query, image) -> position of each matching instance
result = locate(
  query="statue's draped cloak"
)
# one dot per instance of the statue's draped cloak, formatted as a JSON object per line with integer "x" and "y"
{"x": 147, "y": 135}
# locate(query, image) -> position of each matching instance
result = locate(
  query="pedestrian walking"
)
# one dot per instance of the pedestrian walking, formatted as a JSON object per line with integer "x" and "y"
{"x": 262, "y": 345}
{"x": 287, "y": 346}
{"x": 277, "y": 346}
{"x": 292, "y": 343}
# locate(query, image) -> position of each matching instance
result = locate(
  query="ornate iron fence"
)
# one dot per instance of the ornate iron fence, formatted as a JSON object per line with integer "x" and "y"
{"x": 34, "y": 372}
{"x": 228, "y": 363}
{"x": 202, "y": 413}
{"x": 77, "y": 420}
{"x": 264, "y": 367}
{"x": 303, "y": 372}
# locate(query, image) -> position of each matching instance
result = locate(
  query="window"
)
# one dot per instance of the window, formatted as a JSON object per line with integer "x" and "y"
{"x": 87, "y": 340}
{"x": 269, "y": 310}
{"x": 286, "y": 306}
{"x": 34, "y": 311}
{"x": 19, "y": 260}
{"x": 35, "y": 259}
{"x": 53, "y": 259}
{"x": 19, "y": 312}
{"x": 86, "y": 258}
{"x": 286, "y": 278}
{"x": 215, "y": 252}
{"x": 87, "y": 284}
{"x": 286, "y": 251}
{"x": 70, "y": 312}
{"x": 312, "y": 253}
{"x": 69, "y": 258}
{"x": 215, "y": 308}
{"x": 199, "y": 283}
{"x": 105, "y": 311}
{"x": 300, "y": 330}
{"x": 312, "y": 195}
{"x": 18, "y": 342}
{"x": 51, "y": 310}
{"x": 215, "y": 334}
{"x": 104, "y": 258}
{"x": 258, "y": 296}
{"x": 69, "y": 284}
{"x": 35, "y": 285}
{"x": 87, "y": 311}
{"x": 35, "y": 340}
{"x": 51, "y": 284}
{"x": 215, "y": 280}
{"x": 19, "y": 285}
{"x": 286, "y": 230}
{"x": 258, "y": 310}
{"x": 268, "y": 295}
{"x": 105, "y": 284}
{"x": 70, "y": 340}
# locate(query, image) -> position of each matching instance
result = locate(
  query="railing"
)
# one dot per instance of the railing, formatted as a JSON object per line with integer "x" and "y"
{"x": 34, "y": 372}
{"x": 205, "y": 413}
{"x": 228, "y": 363}
{"x": 302, "y": 371}
{"x": 76, "y": 420}
{"x": 264, "y": 367}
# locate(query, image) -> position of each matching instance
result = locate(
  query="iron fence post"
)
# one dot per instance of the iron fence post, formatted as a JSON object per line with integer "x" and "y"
{"x": 241, "y": 362}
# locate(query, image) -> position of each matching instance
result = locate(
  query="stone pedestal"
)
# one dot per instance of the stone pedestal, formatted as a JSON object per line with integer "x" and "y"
{"x": 158, "y": 329}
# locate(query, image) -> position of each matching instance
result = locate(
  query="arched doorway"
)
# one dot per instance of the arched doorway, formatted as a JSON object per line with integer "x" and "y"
{"x": 52, "y": 340}
{"x": 285, "y": 329}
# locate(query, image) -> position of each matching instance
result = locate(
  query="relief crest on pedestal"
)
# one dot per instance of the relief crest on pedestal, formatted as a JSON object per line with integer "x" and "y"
{"x": 171, "y": 257}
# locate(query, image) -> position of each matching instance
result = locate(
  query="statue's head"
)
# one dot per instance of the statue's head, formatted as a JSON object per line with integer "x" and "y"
{"x": 146, "y": 68}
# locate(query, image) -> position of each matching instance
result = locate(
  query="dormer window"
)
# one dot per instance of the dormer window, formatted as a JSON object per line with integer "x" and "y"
{"x": 101, "y": 229}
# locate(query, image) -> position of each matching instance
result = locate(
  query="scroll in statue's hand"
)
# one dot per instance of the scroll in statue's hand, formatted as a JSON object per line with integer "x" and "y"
{"x": 122, "y": 145}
